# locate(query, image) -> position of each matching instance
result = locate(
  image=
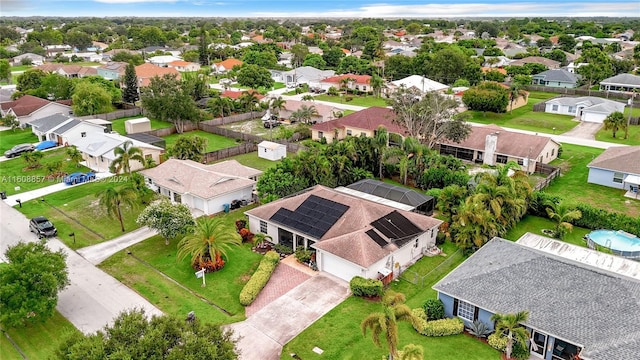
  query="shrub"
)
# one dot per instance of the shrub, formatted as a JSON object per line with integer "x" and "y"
{"x": 479, "y": 329}
{"x": 433, "y": 309}
{"x": 241, "y": 224}
{"x": 365, "y": 287}
{"x": 259, "y": 278}
{"x": 497, "y": 342}
{"x": 442, "y": 327}
{"x": 283, "y": 249}
{"x": 520, "y": 351}
{"x": 303, "y": 255}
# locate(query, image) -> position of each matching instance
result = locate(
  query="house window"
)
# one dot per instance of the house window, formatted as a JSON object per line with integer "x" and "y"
{"x": 416, "y": 244}
{"x": 83, "y": 134}
{"x": 348, "y": 132}
{"x": 520, "y": 161}
{"x": 553, "y": 152}
{"x": 263, "y": 227}
{"x": 320, "y": 134}
{"x": 572, "y": 110}
{"x": 617, "y": 177}
{"x": 363, "y": 134}
{"x": 502, "y": 159}
{"x": 554, "y": 108}
{"x": 465, "y": 310}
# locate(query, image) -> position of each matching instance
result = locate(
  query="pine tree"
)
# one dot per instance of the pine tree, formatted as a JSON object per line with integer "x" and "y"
{"x": 204, "y": 49}
{"x": 130, "y": 94}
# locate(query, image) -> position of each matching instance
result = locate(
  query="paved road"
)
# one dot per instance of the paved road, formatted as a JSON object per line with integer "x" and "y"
{"x": 97, "y": 253}
{"x": 94, "y": 298}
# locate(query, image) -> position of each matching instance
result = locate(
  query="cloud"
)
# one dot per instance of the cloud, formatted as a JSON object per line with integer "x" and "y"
{"x": 16, "y": 5}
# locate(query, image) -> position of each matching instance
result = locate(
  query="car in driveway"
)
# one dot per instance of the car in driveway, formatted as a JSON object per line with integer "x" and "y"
{"x": 42, "y": 227}
{"x": 270, "y": 124}
{"x": 79, "y": 177}
{"x": 46, "y": 145}
{"x": 18, "y": 150}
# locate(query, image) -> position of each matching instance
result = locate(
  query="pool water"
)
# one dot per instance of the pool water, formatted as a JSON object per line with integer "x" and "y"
{"x": 616, "y": 240}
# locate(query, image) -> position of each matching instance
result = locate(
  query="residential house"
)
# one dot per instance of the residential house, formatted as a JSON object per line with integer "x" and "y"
{"x": 621, "y": 83}
{"x": 573, "y": 66}
{"x": 205, "y": 188}
{"x": 69, "y": 71}
{"x": 235, "y": 95}
{"x": 560, "y": 78}
{"x": 399, "y": 197}
{"x": 496, "y": 61}
{"x": 419, "y": 83}
{"x": 163, "y": 60}
{"x": 580, "y": 301}
{"x": 43, "y": 126}
{"x": 107, "y": 55}
{"x": 350, "y": 81}
{"x": 512, "y": 49}
{"x": 97, "y": 151}
{"x": 112, "y": 70}
{"x": 301, "y": 75}
{"x": 550, "y": 64}
{"x": 184, "y": 66}
{"x": 362, "y": 123}
{"x": 351, "y": 236}
{"x": 226, "y": 65}
{"x": 35, "y": 59}
{"x": 324, "y": 112}
{"x": 617, "y": 167}
{"x": 53, "y": 50}
{"x": 147, "y": 71}
{"x": 73, "y": 130}
{"x": 85, "y": 56}
{"x": 28, "y": 108}
{"x": 493, "y": 145}
{"x": 586, "y": 108}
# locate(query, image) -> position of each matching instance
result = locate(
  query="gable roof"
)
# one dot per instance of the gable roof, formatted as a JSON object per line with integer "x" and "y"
{"x": 119, "y": 67}
{"x": 562, "y": 75}
{"x": 322, "y": 109}
{"x": 347, "y": 235}
{"x": 591, "y": 103}
{"x": 619, "y": 158}
{"x": 102, "y": 144}
{"x": 236, "y": 94}
{"x": 367, "y": 119}
{"x": 536, "y": 60}
{"x": 622, "y": 79}
{"x": 509, "y": 143}
{"x": 421, "y": 83}
{"x": 25, "y": 105}
{"x": 228, "y": 64}
{"x": 204, "y": 181}
{"x": 584, "y": 305}
{"x": 359, "y": 79}
{"x": 147, "y": 71}
{"x": 67, "y": 126}
{"x": 49, "y": 122}
{"x": 392, "y": 192}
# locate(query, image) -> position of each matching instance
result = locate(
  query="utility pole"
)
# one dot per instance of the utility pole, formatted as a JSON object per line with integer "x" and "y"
{"x": 630, "y": 102}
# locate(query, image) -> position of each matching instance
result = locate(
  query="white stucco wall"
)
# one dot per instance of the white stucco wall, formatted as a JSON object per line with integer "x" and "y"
{"x": 603, "y": 177}
{"x": 215, "y": 205}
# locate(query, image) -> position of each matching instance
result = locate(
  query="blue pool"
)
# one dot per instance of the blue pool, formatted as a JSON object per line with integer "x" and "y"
{"x": 619, "y": 242}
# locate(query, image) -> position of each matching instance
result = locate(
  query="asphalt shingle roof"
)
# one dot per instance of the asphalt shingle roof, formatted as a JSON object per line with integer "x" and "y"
{"x": 623, "y": 79}
{"x": 561, "y": 75}
{"x": 619, "y": 158}
{"x": 62, "y": 129}
{"x": 49, "y": 122}
{"x": 583, "y": 305}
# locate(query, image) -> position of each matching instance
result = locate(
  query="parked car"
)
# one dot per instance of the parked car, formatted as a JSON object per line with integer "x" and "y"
{"x": 18, "y": 150}
{"x": 79, "y": 177}
{"x": 42, "y": 227}
{"x": 46, "y": 145}
{"x": 270, "y": 124}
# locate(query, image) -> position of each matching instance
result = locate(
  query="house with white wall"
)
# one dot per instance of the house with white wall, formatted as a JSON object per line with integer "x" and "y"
{"x": 586, "y": 108}
{"x": 617, "y": 167}
{"x": 28, "y": 108}
{"x": 98, "y": 151}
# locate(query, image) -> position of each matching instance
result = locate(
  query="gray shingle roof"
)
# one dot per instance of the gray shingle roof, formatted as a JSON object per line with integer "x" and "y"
{"x": 619, "y": 158}
{"x": 49, "y": 122}
{"x": 561, "y": 75}
{"x": 62, "y": 129}
{"x": 622, "y": 79}
{"x": 583, "y": 305}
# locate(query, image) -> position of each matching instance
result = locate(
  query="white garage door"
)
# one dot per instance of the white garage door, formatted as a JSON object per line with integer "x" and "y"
{"x": 339, "y": 267}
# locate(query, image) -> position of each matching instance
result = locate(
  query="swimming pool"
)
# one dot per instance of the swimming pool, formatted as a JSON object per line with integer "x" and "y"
{"x": 619, "y": 242}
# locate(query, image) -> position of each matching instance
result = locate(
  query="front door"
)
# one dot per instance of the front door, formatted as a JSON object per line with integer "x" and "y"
{"x": 538, "y": 344}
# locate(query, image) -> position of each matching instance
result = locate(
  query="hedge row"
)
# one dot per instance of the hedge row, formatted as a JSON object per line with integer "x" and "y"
{"x": 259, "y": 278}
{"x": 365, "y": 287}
{"x": 497, "y": 342}
{"x": 442, "y": 327}
{"x": 592, "y": 217}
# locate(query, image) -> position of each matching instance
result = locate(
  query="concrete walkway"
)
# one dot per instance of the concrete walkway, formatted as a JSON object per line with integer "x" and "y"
{"x": 283, "y": 279}
{"x": 97, "y": 253}
{"x": 264, "y": 333}
{"x": 38, "y": 193}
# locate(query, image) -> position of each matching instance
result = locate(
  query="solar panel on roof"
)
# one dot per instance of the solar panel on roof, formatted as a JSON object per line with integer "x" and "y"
{"x": 314, "y": 217}
{"x": 376, "y": 237}
{"x": 395, "y": 226}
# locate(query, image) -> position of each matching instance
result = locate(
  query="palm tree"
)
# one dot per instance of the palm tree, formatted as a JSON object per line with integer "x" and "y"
{"x": 381, "y": 142}
{"x": 277, "y": 104}
{"x": 562, "y": 214}
{"x": 210, "y": 240}
{"x": 450, "y": 199}
{"x": 514, "y": 93}
{"x": 615, "y": 121}
{"x": 376, "y": 83}
{"x": 412, "y": 352}
{"x": 386, "y": 322}
{"x": 74, "y": 155}
{"x": 249, "y": 100}
{"x": 114, "y": 198}
{"x": 305, "y": 113}
{"x": 260, "y": 238}
{"x": 307, "y": 97}
{"x": 509, "y": 325}
{"x": 124, "y": 155}
{"x": 54, "y": 168}
{"x": 32, "y": 158}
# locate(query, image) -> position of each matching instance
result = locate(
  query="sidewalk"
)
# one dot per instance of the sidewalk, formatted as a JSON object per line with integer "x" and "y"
{"x": 97, "y": 253}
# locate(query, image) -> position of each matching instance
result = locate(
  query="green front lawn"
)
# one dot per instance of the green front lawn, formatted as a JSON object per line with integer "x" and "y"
{"x": 118, "y": 124}
{"x": 366, "y": 101}
{"x": 338, "y": 332}
{"x": 13, "y": 173}
{"x": 38, "y": 341}
{"x": 215, "y": 142}
{"x": 572, "y": 183}
{"x": 80, "y": 213}
{"x": 607, "y": 135}
{"x": 11, "y": 138}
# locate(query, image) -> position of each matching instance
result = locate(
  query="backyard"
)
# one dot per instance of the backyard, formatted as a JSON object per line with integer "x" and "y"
{"x": 214, "y": 142}
{"x": 366, "y": 101}
{"x": 118, "y": 124}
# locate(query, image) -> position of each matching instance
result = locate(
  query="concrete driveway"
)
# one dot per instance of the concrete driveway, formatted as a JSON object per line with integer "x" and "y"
{"x": 264, "y": 333}
{"x": 584, "y": 130}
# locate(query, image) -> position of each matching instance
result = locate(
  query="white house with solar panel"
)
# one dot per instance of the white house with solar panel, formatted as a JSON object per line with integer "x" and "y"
{"x": 351, "y": 235}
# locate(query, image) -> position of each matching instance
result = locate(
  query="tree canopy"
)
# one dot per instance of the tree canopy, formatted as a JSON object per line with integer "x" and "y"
{"x": 167, "y": 218}
{"x": 167, "y": 98}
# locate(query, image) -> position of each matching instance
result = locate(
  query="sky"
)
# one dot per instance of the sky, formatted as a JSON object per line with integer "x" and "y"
{"x": 321, "y": 8}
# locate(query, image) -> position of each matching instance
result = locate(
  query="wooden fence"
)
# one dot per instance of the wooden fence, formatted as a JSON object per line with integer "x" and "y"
{"x": 244, "y": 148}
{"x": 234, "y": 118}
{"x": 551, "y": 173}
{"x": 114, "y": 114}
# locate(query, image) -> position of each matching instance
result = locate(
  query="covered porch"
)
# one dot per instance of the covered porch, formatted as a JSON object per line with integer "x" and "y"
{"x": 547, "y": 347}
{"x": 632, "y": 182}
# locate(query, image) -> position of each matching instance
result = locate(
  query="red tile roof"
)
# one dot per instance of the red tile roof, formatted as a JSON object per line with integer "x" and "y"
{"x": 229, "y": 63}
{"x": 359, "y": 79}
{"x": 24, "y": 105}
{"x": 367, "y": 119}
{"x": 147, "y": 71}
{"x": 236, "y": 94}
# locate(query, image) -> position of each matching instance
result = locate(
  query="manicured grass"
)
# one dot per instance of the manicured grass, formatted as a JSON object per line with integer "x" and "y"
{"x": 607, "y": 135}
{"x": 38, "y": 341}
{"x": 572, "y": 183}
{"x": 535, "y": 224}
{"x": 118, "y": 124}
{"x": 525, "y": 118}
{"x": 215, "y": 142}
{"x": 366, "y": 101}
{"x": 11, "y": 138}
{"x": 21, "y": 67}
{"x": 290, "y": 93}
{"x": 13, "y": 173}
{"x": 338, "y": 332}
{"x": 252, "y": 160}
{"x": 81, "y": 204}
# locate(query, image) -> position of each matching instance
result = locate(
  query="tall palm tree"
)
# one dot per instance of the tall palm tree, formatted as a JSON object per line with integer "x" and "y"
{"x": 474, "y": 225}
{"x": 124, "y": 155}
{"x": 615, "y": 121}
{"x": 450, "y": 199}
{"x": 210, "y": 240}
{"x": 562, "y": 214}
{"x": 305, "y": 113}
{"x": 249, "y": 100}
{"x": 509, "y": 325}
{"x": 386, "y": 322}
{"x": 515, "y": 92}
{"x": 277, "y": 104}
{"x": 114, "y": 198}
{"x": 381, "y": 142}
{"x": 376, "y": 83}
{"x": 74, "y": 155}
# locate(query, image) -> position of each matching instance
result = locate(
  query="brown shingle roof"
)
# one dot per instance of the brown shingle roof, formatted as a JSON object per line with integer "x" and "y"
{"x": 619, "y": 158}
{"x": 367, "y": 119}
{"x": 551, "y": 64}
{"x": 510, "y": 143}
{"x": 24, "y": 105}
